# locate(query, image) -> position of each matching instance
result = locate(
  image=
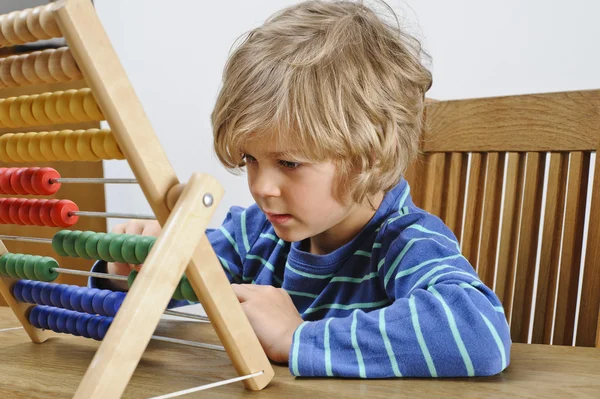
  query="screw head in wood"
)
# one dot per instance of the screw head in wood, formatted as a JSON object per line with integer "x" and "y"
{"x": 207, "y": 200}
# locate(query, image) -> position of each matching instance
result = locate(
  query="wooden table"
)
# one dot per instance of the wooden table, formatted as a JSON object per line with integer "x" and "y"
{"x": 54, "y": 369}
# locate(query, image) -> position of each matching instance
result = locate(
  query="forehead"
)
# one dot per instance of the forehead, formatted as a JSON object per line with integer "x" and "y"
{"x": 269, "y": 144}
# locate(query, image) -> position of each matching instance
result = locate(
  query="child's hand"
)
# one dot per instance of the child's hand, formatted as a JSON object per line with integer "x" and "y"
{"x": 139, "y": 227}
{"x": 272, "y": 315}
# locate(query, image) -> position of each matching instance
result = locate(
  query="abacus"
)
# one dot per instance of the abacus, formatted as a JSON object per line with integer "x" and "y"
{"x": 124, "y": 323}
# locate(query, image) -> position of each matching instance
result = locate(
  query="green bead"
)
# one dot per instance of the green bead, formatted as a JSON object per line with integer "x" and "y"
{"x": 43, "y": 269}
{"x": 91, "y": 246}
{"x": 177, "y": 295}
{"x": 128, "y": 249}
{"x": 11, "y": 265}
{"x": 69, "y": 243}
{"x": 142, "y": 248}
{"x": 57, "y": 242}
{"x": 103, "y": 246}
{"x": 20, "y": 266}
{"x": 3, "y": 260}
{"x": 131, "y": 277}
{"x": 29, "y": 268}
{"x": 80, "y": 243}
{"x": 187, "y": 290}
{"x": 116, "y": 245}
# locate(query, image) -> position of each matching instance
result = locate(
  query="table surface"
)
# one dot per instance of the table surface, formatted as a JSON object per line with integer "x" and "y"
{"x": 54, "y": 369}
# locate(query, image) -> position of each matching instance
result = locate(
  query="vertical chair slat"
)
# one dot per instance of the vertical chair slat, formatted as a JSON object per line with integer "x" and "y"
{"x": 515, "y": 174}
{"x": 434, "y": 183}
{"x": 528, "y": 244}
{"x": 454, "y": 193}
{"x": 491, "y": 218}
{"x": 414, "y": 176}
{"x": 570, "y": 259}
{"x": 550, "y": 249}
{"x": 472, "y": 227}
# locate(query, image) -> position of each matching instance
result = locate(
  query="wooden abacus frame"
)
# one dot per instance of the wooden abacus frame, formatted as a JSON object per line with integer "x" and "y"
{"x": 182, "y": 244}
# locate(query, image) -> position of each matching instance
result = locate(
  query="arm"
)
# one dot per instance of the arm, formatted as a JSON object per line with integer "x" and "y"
{"x": 443, "y": 322}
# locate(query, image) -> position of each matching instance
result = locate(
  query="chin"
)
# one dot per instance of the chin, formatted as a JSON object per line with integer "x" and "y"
{"x": 290, "y": 235}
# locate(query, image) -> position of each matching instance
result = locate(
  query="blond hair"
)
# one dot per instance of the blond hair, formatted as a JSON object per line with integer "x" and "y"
{"x": 336, "y": 81}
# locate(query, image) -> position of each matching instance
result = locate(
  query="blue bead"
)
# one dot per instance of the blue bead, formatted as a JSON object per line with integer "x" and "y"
{"x": 103, "y": 326}
{"x": 61, "y": 320}
{"x": 65, "y": 296}
{"x": 112, "y": 303}
{"x": 18, "y": 290}
{"x": 43, "y": 317}
{"x": 92, "y": 327}
{"x": 75, "y": 300}
{"x": 87, "y": 298}
{"x": 82, "y": 323}
{"x": 98, "y": 301}
{"x": 36, "y": 292}
{"x": 72, "y": 323}
{"x": 55, "y": 295}
{"x": 34, "y": 313}
{"x": 26, "y": 293}
{"x": 45, "y": 294}
{"x": 52, "y": 319}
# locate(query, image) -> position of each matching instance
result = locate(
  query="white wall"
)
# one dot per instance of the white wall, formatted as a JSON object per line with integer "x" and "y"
{"x": 174, "y": 52}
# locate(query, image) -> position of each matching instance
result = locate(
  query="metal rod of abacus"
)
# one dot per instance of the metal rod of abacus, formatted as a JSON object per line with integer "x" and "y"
{"x": 187, "y": 315}
{"x": 90, "y": 274}
{"x": 27, "y": 239}
{"x": 93, "y": 180}
{"x": 189, "y": 343}
{"x": 112, "y": 215}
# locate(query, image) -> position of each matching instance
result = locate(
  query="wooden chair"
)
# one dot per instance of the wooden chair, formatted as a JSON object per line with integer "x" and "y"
{"x": 511, "y": 177}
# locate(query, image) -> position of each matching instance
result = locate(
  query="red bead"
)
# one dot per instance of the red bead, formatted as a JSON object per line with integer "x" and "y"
{"x": 27, "y": 180}
{"x": 24, "y": 211}
{"x": 41, "y": 181}
{"x": 45, "y": 213}
{"x": 4, "y": 208}
{"x": 5, "y": 186}
{"x": 15, "y": 181}
{"x": 13, "y": 211}
{"x": 60, "y": 213}
{"x": 35, "y": 210}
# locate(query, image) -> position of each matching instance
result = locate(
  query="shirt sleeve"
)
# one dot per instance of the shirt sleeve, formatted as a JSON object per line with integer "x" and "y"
{"x": 442, "y": 322}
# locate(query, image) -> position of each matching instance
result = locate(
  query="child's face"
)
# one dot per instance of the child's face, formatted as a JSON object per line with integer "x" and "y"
{"x": 297, "y": 197}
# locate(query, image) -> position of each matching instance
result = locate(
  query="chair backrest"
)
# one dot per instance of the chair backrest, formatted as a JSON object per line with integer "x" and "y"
{"x": 511, "y": 176}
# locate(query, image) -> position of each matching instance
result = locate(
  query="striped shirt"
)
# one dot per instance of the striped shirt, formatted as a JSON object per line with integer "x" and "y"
{"x": 399, "y": 300}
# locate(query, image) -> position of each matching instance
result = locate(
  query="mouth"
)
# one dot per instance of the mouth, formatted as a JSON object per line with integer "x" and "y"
{"x": 278, "y": 218}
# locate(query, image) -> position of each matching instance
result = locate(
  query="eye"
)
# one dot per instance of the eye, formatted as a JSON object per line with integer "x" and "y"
{"x": 248, "y": 158}
{"x": 289, "y": 164}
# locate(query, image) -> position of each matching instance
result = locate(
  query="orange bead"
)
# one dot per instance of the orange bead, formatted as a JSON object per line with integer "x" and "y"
{"x": 61, "y": 213}
{"x": 41, "y": 181}
{"x": 13, "y": 211}
{"x": 27, "y": 180}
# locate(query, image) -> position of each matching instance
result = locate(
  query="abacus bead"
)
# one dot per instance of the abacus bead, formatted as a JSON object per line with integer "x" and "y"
{"x": 103, "y": 246}
{"x": 33, "y": 316}
{"x": 104, "y": 326}
{"x": 92, "y": 327}
{"x": 187, "y": 290}
{"x": 5, "y": 209}
{"x": 36, "y": 290}
{"x": 91, "y": 246}
{"x": 128, "y": 249}
{"x": 20, "y": 265}
{"x": 45, "y": 293}
{"x": 17, "y": 290}
{"x": 131, "y": 277}
{"x": 45, "y": 210}
{"x": 52, "y": 316}
{"x": 112, "y": 303}
{"x": 3, "y": 260}
{"x": 27, "y": 292}
{"x": 72, "y": 324}
{"x": 41, "y": 181}
{"x": 24, "y": 211}
{"x": 27, "y": 179}
{"x": 13, "y": 211}
{"x": 115, "y": 248}
{"x": 5, "y": 186}
{"x": 58, "y": 242}
{"x": 34, "y": 212}
{"x": 15, "y": 181}
{"x": 61, "y": 320}
{"x": 87, "y": 299}
{"x": 55, "y": 295}
{"x": 80, "y": 242}
{"x": 65, "y": 296}
{"x": 98, "y": 301}
{"x": 75, "y": 300}
{"x": 43, "y": 317}
{"x": 29, "y": 267}
{"x": 43, "y": 269}
{"x": 142, "y": 248}
{"x": 82, "y": 323}
{"x": 69, "y": 243}
{"x": 177, "y": 294}
{"x": 11, "y": 264}
{"x": 61, "y": 213}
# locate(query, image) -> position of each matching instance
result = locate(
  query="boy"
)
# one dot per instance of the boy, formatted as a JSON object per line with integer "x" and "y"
{"x": 338, "y": 271}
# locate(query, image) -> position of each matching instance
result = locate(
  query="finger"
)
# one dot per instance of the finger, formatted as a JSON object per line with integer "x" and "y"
{"x": 135, "y": 227}
{"x": 119, "y": 228}
{"x": 151, "y": 228}
{"x": 242, "y": 292}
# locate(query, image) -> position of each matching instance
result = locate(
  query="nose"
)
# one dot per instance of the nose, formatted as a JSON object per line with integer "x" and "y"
{"x": 264, "y": 182}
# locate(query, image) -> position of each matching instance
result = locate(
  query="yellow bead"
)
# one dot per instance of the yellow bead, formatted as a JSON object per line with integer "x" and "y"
{"x": 58, "y": 145}
{"x": 37, "y": 108}
{"x": 46, "y": 146}
{"x": 35, "y": 145}
{"x": 11, "y": 148}
{"x": 71, "y": 145}
{"x": 50, "y": 108}
{"x": 84, "y": 146}
{"x": 14, "y": 110}
{"x": 3, "y": 144}
{"x": 91, "y": 107}
{"x": 4, "y": 114}
{"x": 98, "y": 143}
{"x": 76, "y": 106}
{"x": 26, "y": 111}
{"x": 111, "y": 146}
{"x": 23, "y": 147}
{"x": 62, "y": 106}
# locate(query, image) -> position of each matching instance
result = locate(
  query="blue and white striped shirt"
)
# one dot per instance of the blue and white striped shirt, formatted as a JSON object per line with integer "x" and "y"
{"x": 398, "y": 300}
